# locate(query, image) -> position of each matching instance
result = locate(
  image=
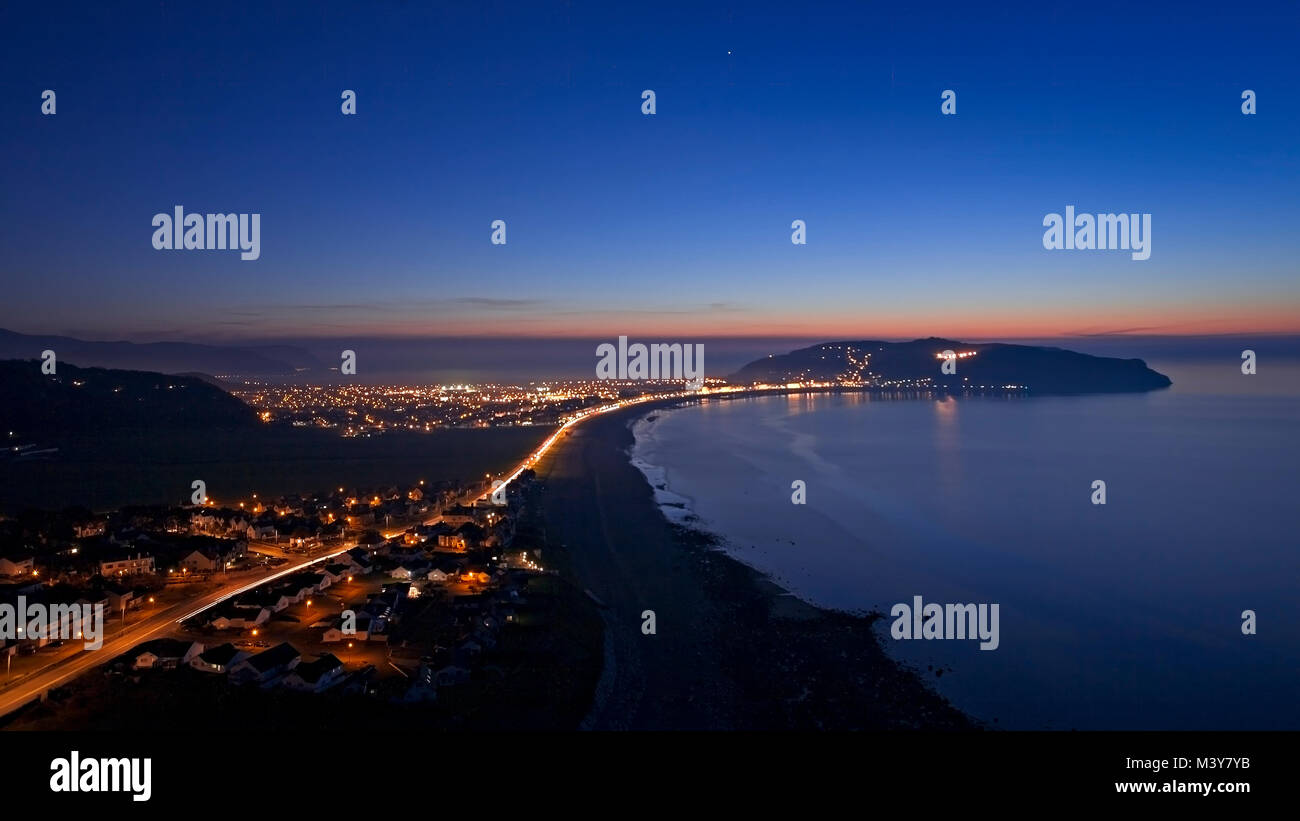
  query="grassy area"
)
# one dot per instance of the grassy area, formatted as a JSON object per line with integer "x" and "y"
{"x": 105, "y": 472}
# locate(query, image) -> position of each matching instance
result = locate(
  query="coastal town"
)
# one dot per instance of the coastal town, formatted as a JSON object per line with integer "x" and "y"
{"x": 367, "y": 410}
{"x": 395, "y": 593}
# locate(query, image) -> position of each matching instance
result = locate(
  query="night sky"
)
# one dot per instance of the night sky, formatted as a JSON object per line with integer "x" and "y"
{"x": 675, "y": 225}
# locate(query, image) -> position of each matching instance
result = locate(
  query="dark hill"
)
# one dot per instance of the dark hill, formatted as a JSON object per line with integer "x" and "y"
{"x": 97, "y": 399}
{"x": 916, "y": 364}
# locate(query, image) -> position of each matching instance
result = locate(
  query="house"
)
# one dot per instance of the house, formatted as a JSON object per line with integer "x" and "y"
{"x": 453, "y": 541}
{"x": 86, "y": 529}
{"x": 299, "y": 586}
{"x": 240, "y": 616}
{"x": 98, "y": 600}
{"x": 260, "y": 531}
{"x": 360, "y": 558}
{"x": 204, "y": 520}
{"x": 471, "y": 576}
{"x": 266, "y": 666}
{"x": 164, "y": 653}
{"x": 361, "y": 633}
{"x": 199, "y": 560}
{"x": 218, "y": 659}
{"x": 438, "y": 576}
{"x": 273, "y": 600}
{"x": 430, "y": 533}
{"x": 332, "y": 574}
{"x": 65, "y": 618}
{"x": 136, "y": 565}
{"x": 315, "y": 676}
{"x": 17, "y": 565}
{"x": 120, "y": 598}
{"x": 458, "y": 514}
{"x": 411, "y": 569}
{"x": 214, "y": 556}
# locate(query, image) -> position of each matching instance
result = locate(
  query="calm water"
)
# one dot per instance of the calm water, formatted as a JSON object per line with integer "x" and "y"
{"x": 1126, "y": 615}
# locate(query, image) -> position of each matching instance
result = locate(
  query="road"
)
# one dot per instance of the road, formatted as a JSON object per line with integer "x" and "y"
{"x": 164, "y": 621}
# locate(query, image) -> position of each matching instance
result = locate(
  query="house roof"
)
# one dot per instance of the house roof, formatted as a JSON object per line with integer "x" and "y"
{"x": 164, "y": 648}
{"x": 132, "y": 556}
{"x": 259, "y": 599}
{"x": 312, "y": 671}
{"x": 221, "y": 655}
{"x": 282, "y": 653}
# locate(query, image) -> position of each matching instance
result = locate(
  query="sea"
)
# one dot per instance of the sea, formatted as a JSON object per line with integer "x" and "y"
{"x": 1132, "y": 614}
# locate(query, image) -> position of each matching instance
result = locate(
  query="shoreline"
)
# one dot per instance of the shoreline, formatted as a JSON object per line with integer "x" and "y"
{"x": 731, "y": 649}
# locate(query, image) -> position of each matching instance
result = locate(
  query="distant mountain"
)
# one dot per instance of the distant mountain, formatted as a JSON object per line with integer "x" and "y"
{"x": 917, "y": 364}
{"x": 101, "y": 400}
{"x": 163, "y": 357}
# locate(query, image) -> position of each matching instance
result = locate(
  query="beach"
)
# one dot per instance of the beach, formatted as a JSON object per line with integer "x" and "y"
{"x": 731, "y": 650}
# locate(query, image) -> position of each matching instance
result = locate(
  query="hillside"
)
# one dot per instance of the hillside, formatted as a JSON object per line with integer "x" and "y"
{"x": 97, "y": 399}
{"x": 916, "y": 364}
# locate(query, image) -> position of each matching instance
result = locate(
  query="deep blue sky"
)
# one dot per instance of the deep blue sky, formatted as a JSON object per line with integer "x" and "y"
{"x": 675, "y": 225}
